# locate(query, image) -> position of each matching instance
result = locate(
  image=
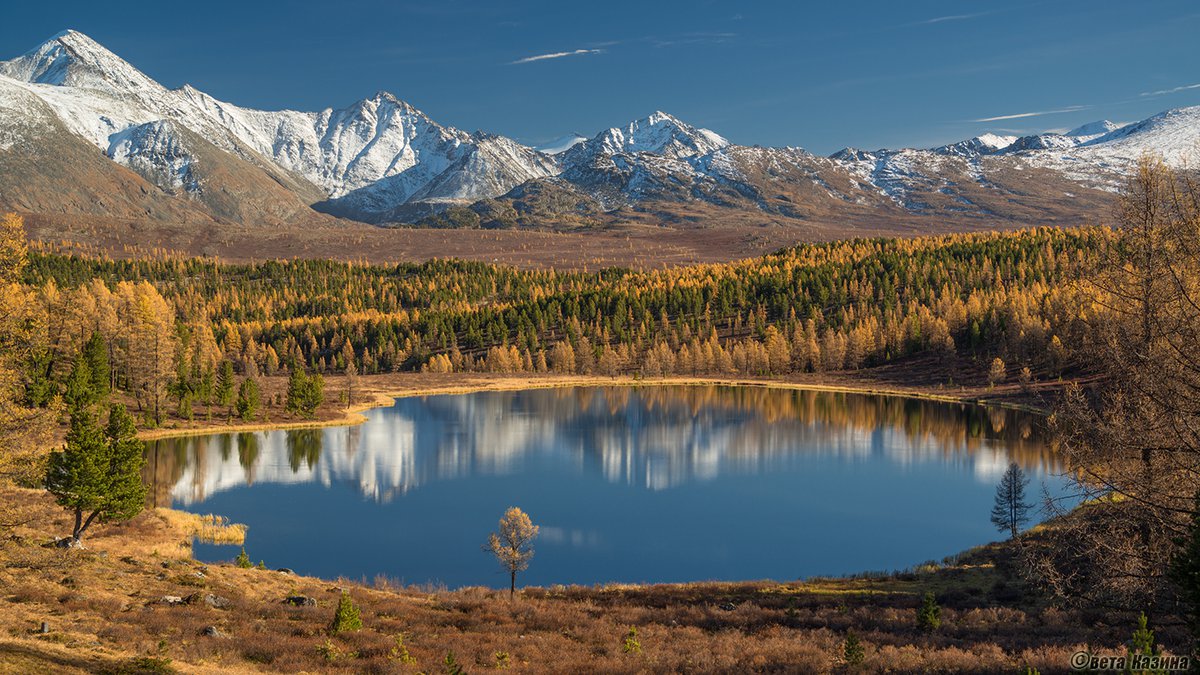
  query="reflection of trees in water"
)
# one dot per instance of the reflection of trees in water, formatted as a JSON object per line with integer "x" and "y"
{"x": 951, "y": 426}
{"x": 164, "y": 467}
{"x": 304, "y": 445}
{"x": 659, "y": 436}
{"x": 248, "y": 450}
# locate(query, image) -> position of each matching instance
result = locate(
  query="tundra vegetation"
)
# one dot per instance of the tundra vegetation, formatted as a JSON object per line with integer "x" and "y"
{"x": 1113, "y": 312}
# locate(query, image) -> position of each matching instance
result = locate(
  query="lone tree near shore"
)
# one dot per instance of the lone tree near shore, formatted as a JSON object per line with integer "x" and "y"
{"x": 304, "y": 393}
{"x": 98, "y": 471}
{"x": 997, "y": 371}
{"x": 513, "y": 545}
{"x": 1011, "y": 510}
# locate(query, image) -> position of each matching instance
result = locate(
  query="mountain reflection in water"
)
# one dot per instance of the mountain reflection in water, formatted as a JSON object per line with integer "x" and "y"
{"x": 653, "y": 437}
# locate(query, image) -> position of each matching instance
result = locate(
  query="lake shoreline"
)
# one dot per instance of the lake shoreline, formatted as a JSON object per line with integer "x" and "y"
{"x": 135, "y": 576}
{"x": 381, "y": 391}
{"x": 153, "y": 558}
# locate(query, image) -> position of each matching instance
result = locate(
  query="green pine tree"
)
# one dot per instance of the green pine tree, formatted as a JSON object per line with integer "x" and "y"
{"x": 98, "y": 471}
{"x": 347, "y": 617}
{"x": 95, "y": 354}
{"x": 206, "y": 389}
{"x": 225, "y": 386}
{"x": 929, "y": 614}
{"x": 852, "y": 650}
{"x": 452, "y": 666}
{"x": 79, "y": 391}
{"x": 304, "y": 393}
{"x": 1142, "y": 644}
{"x": 631, "y": 644}
{"x": 248, "y": 400}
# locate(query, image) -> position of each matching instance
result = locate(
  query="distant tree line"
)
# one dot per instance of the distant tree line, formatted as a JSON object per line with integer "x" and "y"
{"x": 171, "y": 325}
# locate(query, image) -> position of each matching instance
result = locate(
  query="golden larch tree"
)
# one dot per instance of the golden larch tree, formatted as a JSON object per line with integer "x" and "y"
{"x": 513, "y": 544}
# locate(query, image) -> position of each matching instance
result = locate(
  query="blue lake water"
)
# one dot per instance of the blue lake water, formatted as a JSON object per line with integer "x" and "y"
{"x": 628, "y": 484}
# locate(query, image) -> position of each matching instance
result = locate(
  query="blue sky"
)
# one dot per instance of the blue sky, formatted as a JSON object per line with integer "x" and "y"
{"x": 820, "y": 75}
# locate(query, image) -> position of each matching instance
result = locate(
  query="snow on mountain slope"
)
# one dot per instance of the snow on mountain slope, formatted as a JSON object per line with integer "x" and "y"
{"x": 1093, "y": 129}
{"x": 561, "y": 144}
{"x": 658, "y": 156}
{"x": 658, "y": 134}
{"x": 381, "y": 159}
{"x": 980, "y": 145}
{"x": 103, "y": 99}
{"x": 899, "y": 174}
{"x": 72, "y": 59}
{"x": 1097, "y": 155}
{"x": 21, "y": 115}
{"x": 157, "y": 151}
{"x": 1103, "y": 161}
{"x": 46, "y": 169}
{"x": 482, "y": 165}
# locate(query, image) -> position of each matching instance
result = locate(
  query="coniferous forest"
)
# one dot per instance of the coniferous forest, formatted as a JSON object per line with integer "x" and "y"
{"x": 170, "y": 325}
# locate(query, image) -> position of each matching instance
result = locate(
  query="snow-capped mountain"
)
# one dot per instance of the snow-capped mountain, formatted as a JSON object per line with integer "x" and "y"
{"x": 984, "y": 144}
{"x": 182, "y": 155}
{"x": 1101, "y": 160}
{"x": 1094, "y": 129}
{"x": 657, "y": 134}
{"x": 366, "y": 159}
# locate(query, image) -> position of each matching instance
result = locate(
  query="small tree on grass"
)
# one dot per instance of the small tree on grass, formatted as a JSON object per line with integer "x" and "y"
{"x": 632, "y": 645}
{"x": 451, "y": 665}
{"x": 248, "y": 400}
{"x": 1010, "y": 510}
{"x": 513, "y": 545}
{"x": 1025, "y": 377}
{"x": 304, "y": 393}
{"x": 1142, "y": 642}
{"x": 996, "y": 371}
{"x": 852, "y": 650}
{"x": 99, "y": 471}
{"x": 929, "y": 614}
{"x": 346, "y": 618}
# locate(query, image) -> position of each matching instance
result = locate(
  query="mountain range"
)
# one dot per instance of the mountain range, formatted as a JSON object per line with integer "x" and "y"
{"x": 84, "y": 133}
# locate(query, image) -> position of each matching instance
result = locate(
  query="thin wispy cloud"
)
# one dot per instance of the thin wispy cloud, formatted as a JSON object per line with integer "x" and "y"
{"x": 691, "y": 39}
{"x": 1039, "y": 113}
{"x": 1174, "y": 90}
{"x": 556, "y": 55}
{"x": 952, "y": 17}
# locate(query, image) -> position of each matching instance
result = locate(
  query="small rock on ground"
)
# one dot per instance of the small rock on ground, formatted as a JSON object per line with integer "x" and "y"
{"x": 300, "y": 601}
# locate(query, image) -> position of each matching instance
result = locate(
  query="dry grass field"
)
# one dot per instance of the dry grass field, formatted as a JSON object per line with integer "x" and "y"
{"x": 640, "y": 240}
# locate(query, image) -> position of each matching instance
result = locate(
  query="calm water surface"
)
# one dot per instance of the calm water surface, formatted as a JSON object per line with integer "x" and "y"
{"x": 645, "y": 484}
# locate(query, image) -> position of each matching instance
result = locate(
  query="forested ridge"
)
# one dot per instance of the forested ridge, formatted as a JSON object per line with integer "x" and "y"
{"x": 810, "y": 308}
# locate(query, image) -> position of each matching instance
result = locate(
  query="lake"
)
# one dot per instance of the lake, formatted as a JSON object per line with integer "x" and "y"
{"x": 628, "y": 484}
